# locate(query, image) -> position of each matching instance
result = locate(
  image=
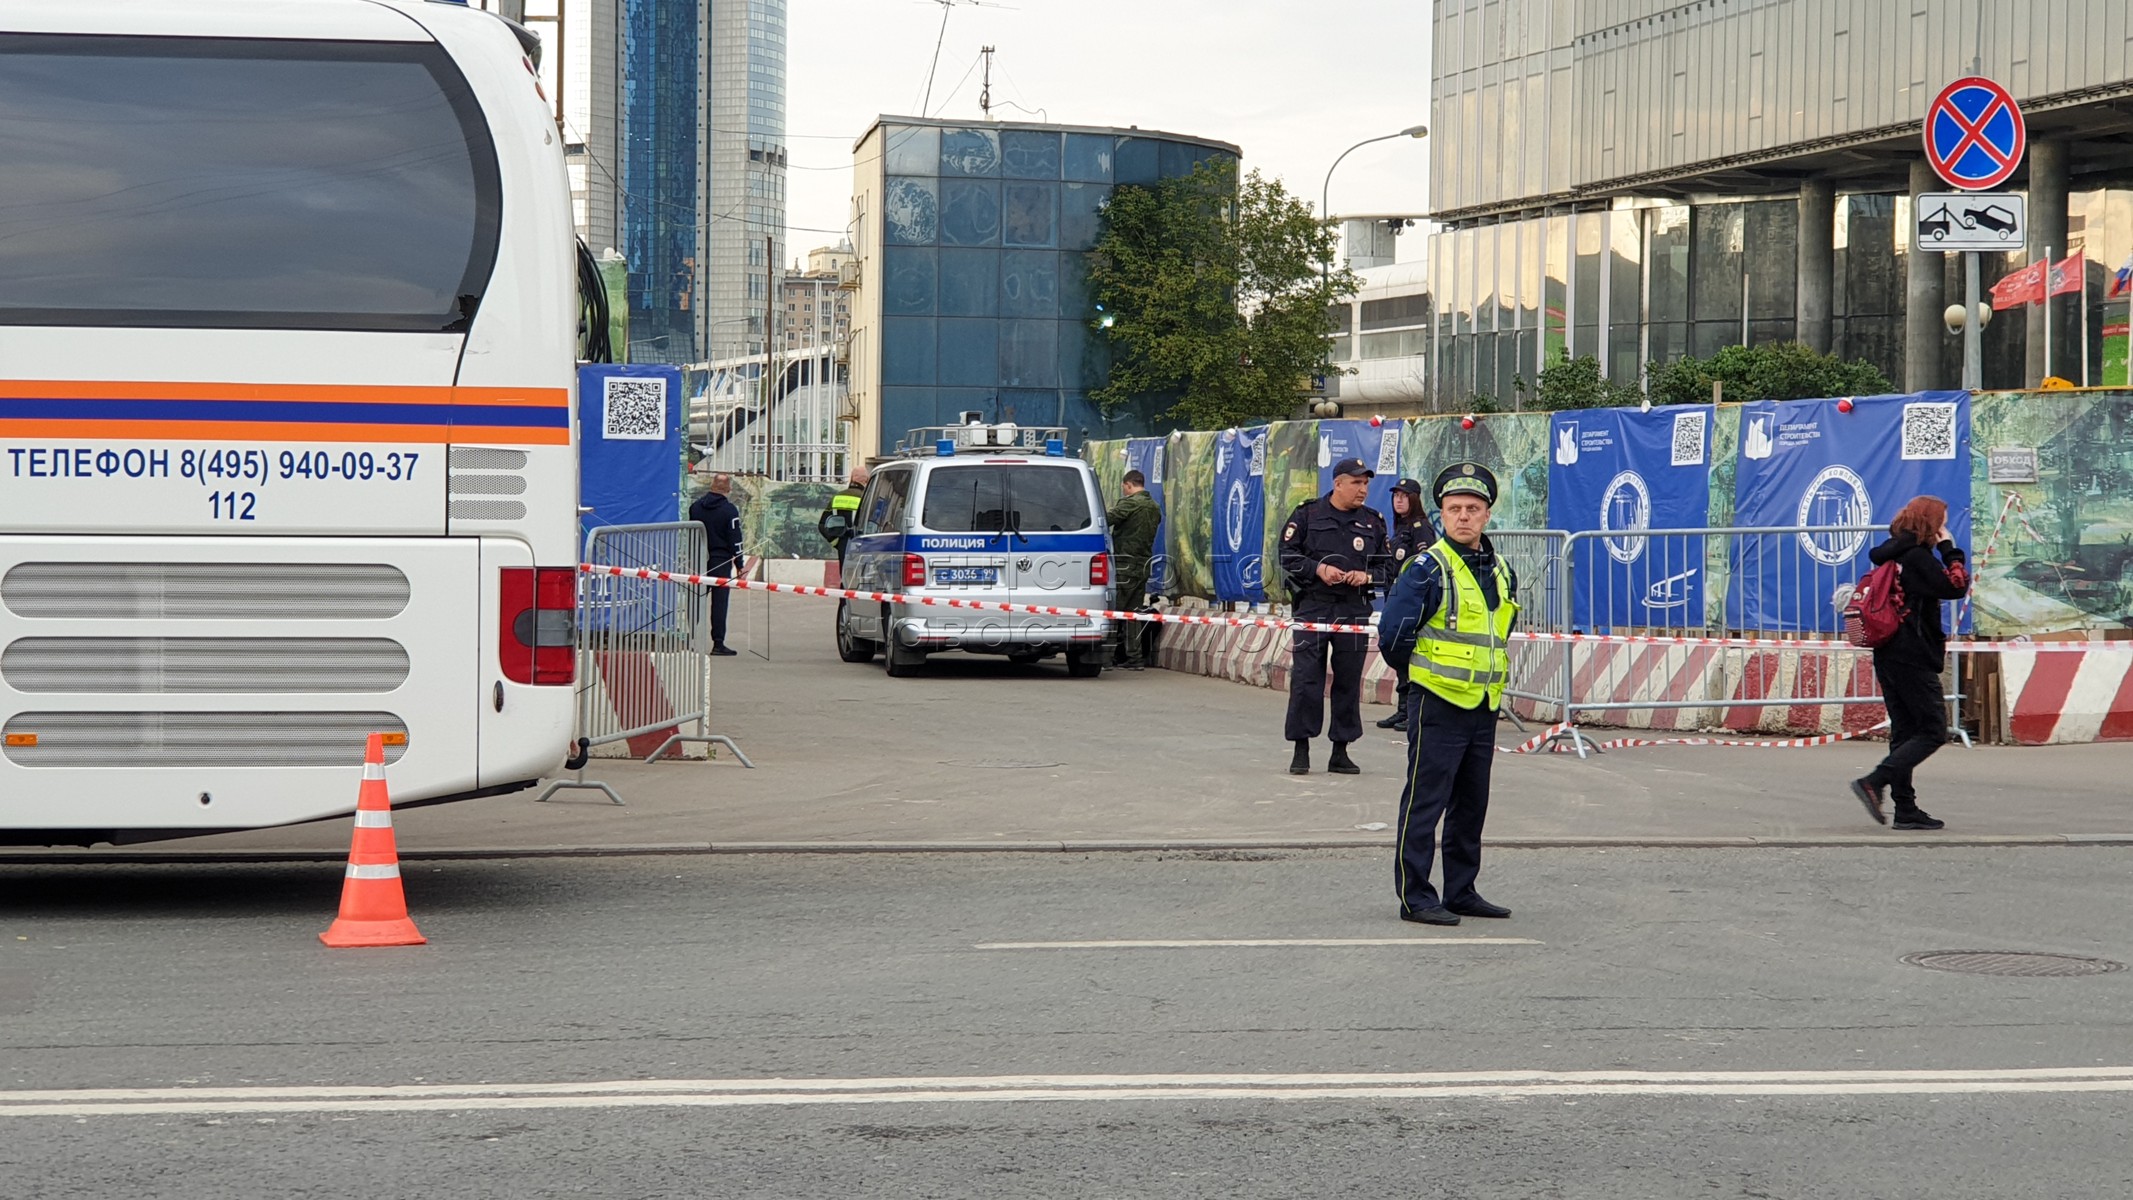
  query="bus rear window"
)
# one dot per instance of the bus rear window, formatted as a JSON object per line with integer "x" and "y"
{"x": 241, "y": 184}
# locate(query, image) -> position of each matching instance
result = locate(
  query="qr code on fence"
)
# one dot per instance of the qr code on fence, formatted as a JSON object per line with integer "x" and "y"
{"x": 1928, "y": 431}
{"x": 1258, "y": 466}
{"x": 633, "y": 410}
{"x": 1689, "y": 438}
{"x": 1389, "y": 452}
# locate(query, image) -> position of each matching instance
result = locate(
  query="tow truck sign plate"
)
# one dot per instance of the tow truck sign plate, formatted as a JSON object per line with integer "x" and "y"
{"x": 1952, "y": 221}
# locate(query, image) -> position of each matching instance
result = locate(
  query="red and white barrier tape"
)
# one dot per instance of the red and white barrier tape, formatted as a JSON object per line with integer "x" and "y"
{"x": 1234, "y": 622}
{"x": 1534, "y": 743}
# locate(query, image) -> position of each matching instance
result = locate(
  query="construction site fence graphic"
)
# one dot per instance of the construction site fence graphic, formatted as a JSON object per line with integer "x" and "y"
{"x": 2052, "y": 556}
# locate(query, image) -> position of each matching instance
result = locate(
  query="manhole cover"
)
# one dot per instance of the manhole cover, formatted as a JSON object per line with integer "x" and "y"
{"x": 2011, "y": 962}
{"x": 998, "y": 764}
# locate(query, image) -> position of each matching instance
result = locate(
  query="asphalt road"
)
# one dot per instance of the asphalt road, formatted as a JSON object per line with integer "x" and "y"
{"x": 942, "y": 1027}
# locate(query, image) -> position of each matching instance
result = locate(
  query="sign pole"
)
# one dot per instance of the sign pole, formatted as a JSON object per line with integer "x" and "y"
{"x": 2047, "y": 315}
{"x": 2083, "y": 313}
{"x": 1973, "y": 348}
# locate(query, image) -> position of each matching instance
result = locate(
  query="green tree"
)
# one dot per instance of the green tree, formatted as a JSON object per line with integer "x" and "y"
{"x": 1214, "y": 295}
{"x": 1790, "y": 371}
{"x": 1579, "y": 383}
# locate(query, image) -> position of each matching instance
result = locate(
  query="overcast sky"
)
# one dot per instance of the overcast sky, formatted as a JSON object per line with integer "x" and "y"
{"x": 1292, "y": 82}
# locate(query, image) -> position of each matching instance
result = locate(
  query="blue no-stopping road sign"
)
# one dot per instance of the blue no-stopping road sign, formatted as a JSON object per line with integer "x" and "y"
{"x": 1975, "y": 134}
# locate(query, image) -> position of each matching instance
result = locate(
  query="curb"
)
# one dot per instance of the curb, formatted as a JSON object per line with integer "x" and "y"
{"x": 78, "y": 857}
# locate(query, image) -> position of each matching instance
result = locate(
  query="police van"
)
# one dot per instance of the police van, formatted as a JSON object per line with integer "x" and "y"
{"x": 990, "y": 513}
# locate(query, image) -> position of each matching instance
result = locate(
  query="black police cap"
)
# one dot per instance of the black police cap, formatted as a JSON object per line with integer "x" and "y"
{"x": 1467, "y": 478}
{"x": 1412, "y": 487}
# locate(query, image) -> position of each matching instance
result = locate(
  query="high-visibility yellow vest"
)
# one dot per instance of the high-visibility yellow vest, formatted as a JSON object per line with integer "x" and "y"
{"x": 1463, "y": 652}
{"x": 845, "y": 501}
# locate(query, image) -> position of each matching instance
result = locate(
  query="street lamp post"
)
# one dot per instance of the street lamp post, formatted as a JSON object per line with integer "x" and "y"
{"x": 1325, "y": 194}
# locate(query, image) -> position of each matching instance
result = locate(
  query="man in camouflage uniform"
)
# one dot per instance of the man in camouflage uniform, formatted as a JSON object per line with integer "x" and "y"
{"x": 1134, "y": 522}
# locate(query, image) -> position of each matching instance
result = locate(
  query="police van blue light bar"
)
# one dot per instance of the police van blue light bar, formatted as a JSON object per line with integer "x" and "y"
{"x": 1054, "y": 448}
{"x": 945, "y": 447}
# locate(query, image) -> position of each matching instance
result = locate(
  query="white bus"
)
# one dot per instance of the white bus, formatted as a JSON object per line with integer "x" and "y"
{"x": 287, "y": 370}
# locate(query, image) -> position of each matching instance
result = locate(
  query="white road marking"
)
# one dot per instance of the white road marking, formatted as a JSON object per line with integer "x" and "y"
{"x": 1209, "y": 943}
{"x": 737, "y": 1093}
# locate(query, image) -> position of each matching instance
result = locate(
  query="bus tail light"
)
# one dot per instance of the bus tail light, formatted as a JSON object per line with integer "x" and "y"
{"x": 537, "y": 636}
{"x": 914, "y": 570}
{"x": 1099, "y": 570}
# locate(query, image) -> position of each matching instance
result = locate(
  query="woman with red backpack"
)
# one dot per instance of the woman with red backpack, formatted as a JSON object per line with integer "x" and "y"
{"x": 1909, "y": 664}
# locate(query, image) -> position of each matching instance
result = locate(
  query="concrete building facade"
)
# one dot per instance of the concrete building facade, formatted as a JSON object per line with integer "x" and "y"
{"x": 1641, "y": 179}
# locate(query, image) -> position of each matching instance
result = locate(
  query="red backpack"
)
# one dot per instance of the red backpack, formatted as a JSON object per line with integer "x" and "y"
{"x": 1876, "y": 610}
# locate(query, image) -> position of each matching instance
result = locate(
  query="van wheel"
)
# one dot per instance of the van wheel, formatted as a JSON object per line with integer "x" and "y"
{"x": 851, "y": 647}
{"x": 1085, "y": 663}
{"x": 902, "y": 661}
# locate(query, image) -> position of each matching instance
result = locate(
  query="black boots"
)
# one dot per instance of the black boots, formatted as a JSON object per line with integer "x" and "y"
{"x": 1340, "y": 763}
{"x": 1398, "y": 720}
{"x": 1913, "y": 817}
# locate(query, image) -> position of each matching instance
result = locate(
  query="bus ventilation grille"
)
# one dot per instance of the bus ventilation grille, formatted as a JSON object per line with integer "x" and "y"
{"x": 478, "y": 477}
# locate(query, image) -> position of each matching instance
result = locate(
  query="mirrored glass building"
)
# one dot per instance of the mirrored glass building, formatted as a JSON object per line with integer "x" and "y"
{"x": 971, "y": 276}
{"x": 1637, "y": 180}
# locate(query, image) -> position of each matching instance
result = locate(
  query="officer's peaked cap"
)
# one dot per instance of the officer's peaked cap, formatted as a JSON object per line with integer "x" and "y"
{"x": 1470, "y": 478}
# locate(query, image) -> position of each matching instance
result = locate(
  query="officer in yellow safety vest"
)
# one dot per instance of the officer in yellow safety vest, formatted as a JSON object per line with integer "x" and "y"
{"x": 839, "y": 522}
{"x": 1446, "y": 625}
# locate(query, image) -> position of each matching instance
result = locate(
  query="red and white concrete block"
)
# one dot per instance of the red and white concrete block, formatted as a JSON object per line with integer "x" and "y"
{"x": 2066, "y": 697}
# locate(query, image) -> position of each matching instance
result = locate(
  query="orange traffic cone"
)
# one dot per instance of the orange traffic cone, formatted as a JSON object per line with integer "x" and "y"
{"x": 373, "y": 906}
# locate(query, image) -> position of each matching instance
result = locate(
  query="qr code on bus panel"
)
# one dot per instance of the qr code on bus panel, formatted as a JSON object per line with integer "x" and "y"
{"x": 633, "y": 410}
{"x": 1689, "y": 430}
{"x": 1928, "y": 431}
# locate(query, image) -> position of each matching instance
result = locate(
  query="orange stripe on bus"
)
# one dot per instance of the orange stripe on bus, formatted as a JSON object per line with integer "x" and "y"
{"x": 284, "y": 431}
{"x": 70, "y": 389}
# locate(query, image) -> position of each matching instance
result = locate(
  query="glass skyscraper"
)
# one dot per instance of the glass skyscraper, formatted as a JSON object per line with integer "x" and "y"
{"x": 746, "y": 167}
{"x": 662, "y": 119}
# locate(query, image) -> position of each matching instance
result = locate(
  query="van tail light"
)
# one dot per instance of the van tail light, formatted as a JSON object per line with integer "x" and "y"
{"x": 914, "y": 570}
{"x": 1099, "y": 570}
{"x": 537, "y": 635}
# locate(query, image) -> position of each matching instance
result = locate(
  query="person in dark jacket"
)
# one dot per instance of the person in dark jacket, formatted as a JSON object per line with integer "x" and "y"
{"x": 721, "y": 520}
{"x": 1446, "y": 626}
{"x": 1333, "y": 556}
{"x": 839, "y": 521}
{"x": 1909, "y": 665}
{"x": 1412, "y": 533}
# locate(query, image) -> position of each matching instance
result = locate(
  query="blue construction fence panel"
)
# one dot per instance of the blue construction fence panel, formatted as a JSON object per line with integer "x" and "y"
{"x": 1618, "y": 470}
{"x": 1852, "y": 461}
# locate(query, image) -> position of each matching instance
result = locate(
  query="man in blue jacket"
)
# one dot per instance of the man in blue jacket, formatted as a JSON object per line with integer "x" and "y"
{"x": 721, "y": 520}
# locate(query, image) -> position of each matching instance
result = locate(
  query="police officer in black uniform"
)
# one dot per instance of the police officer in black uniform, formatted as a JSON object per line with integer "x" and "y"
{"x": 1412, "y": 533}
{"x": 1333, "y": 554}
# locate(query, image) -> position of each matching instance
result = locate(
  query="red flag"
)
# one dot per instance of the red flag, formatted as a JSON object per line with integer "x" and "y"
{"x": 2067, "y": 274}
{"x": 2025, "y": 286}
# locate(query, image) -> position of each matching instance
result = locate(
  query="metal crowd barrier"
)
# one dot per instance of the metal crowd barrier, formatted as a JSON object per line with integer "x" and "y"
{"x": 1712, "y": 582}
{"x": 644, "y": 678}
{"x": 1536, "y": 558}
